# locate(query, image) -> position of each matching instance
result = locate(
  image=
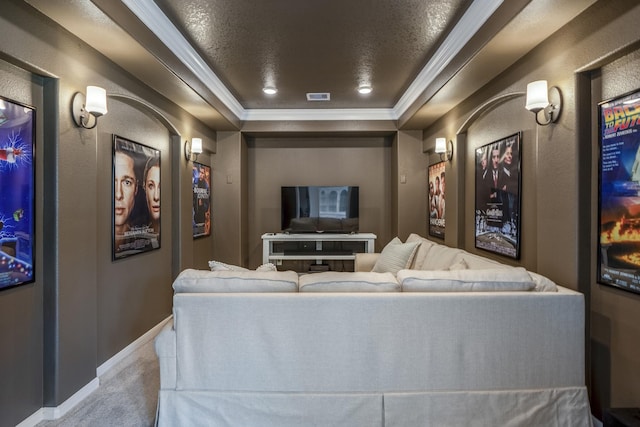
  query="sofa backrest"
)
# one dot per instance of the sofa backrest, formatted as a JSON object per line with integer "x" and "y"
{"x": 372, "y": 342}
{"x": 204, "y": 281}
{"x": 433, "y": 256}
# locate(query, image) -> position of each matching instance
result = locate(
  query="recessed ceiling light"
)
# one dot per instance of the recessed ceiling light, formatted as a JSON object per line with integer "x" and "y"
{"x": 364, "y": 89}
{"x": 270, "y": 90}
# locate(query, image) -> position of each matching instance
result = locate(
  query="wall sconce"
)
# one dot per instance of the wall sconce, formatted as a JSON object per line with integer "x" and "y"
{"x": 86, "y": 110}
{"x": 549, "y": 101}
{"x": 193, "y": 147}
{"x": 444, "y": 147}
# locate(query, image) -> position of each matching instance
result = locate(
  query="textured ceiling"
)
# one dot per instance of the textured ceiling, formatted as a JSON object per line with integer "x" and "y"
{"x": 314, "y": 46}
{"x": 212, "y": 57}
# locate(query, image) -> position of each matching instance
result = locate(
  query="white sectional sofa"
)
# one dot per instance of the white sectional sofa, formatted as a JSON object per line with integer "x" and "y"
{"x": 356, "y": 349}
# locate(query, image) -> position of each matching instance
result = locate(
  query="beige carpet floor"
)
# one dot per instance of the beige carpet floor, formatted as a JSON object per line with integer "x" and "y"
{"x": 126, "y": 397}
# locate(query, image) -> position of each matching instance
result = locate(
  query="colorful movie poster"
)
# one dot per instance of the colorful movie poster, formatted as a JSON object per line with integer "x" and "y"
{"x": 17, "y": 206}
{"x": 201, "y": 184}
{"x": 136, "y": 198}
{"x": 436, "y": 199}
{"x": 497, "y": 222}
{"x": 619, "y": 197}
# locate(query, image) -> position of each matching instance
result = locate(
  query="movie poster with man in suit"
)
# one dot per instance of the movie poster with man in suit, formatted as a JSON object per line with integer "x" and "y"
{"x": 201, "y": 214}
{"x": 498, "y": 183}
{"x": 136, "y": 198}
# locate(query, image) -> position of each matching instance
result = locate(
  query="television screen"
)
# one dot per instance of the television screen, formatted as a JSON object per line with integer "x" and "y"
{"x": 320, "y": 209}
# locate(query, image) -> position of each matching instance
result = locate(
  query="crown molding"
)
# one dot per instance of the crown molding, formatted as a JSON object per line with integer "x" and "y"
{"x": 343, "y": 114}
{"x": 152, "y": 16}
{"x": 474, "y": 17}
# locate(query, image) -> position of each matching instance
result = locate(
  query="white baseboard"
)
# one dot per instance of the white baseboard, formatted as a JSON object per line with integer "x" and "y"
{"x": 53, "y": 413}
{"x": 131, "y": 348}
{"x": 596, "y": 422}
{"x": 34, "y": 419}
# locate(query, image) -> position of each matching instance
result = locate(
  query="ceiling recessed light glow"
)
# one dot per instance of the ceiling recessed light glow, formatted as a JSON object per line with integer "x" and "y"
{"x": 364, "y": 89}
{"x": 270, "y": 90}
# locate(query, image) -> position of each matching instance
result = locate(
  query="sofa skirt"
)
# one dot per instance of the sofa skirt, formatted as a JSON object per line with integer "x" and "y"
{"x": 233, "y": 409}
{"x": 548, "y": 407}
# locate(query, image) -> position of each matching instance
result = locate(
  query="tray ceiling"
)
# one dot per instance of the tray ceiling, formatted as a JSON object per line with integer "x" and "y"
{"x": 213, "y": 57}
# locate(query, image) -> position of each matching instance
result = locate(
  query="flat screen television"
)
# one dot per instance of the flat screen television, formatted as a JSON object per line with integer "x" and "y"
{"x": 320, "y": 209}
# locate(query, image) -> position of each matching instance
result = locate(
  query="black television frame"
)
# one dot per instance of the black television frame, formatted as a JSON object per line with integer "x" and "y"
{"x": 291, "y": 209}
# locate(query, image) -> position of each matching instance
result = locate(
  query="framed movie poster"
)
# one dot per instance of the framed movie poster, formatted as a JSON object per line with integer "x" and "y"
{"x": 498, "y": 183}
{"x": 201, "y": 184}
{"x": 136, "y": 198}
{"x": 17, "y": 198}
{"x": 436, "y": 199}
{"x": 619, "y": 193}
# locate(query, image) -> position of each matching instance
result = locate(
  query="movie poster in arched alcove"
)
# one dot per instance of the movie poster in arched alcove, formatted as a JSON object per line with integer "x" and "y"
{"x": 136, "y": 198}
{"x": 619, "y": 193}
{"x": 17, "y": 204}
{"x": 498, "y": 186}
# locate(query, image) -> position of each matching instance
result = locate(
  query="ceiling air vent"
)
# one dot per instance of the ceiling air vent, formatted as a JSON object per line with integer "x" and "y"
{"x": 319, "y": 96}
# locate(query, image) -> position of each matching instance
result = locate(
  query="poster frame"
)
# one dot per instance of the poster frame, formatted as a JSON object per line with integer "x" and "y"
{"x": 142, "y": 232}
{"x": 436, "y": 201}
{"x": 619, "y": 198}
{"x": 201, "y": 226}
{"x": 18, "y": 198}
{"x": 491, "y": 231}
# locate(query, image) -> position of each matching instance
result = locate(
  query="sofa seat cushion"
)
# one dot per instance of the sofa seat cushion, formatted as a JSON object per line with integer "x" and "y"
{"x": 487, "y": 280}
{"x": 334, "y": 281}
{"x": 395, "y": 256}
{"x": 203, "y": 281}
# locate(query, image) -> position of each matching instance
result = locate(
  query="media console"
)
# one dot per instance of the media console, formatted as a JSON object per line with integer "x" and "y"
{"x": 317, "y": 247}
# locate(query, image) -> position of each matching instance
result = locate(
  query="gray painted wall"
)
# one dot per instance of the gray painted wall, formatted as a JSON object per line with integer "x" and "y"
{"x": 84, "y": 308}
{"x": 21, "y": 315}
{"x": 591, "y": 59}
{"x": 276, "y": 162}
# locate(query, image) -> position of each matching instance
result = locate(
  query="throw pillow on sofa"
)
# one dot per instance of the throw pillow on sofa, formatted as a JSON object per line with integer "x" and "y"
{"x": 487, "y": 280}
{"x": 423, "y": 250}
{"x": 336, "y": 281}
{"x": 395, "y": 256}
{"x": 221, "y": 266}
{"x": 543, "y": 284}
{"x": 461, "y": 264}
{"x": 229, "y": 281}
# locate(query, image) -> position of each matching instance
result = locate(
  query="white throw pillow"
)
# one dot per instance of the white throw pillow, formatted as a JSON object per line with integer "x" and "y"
{"x": 423, "y": 250}
{"x": 395, "y": 256}
{"x": 543, "y": 284}
{"x": 203, "y": 281}
{"x": 221, "y": 266}
{"x": 359, "y": 281}
{"x": 267, "y": 267}
{"x": 461, "y": 264}
{"x": 441, "y": 257}
{"x": 487, "y": 280}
